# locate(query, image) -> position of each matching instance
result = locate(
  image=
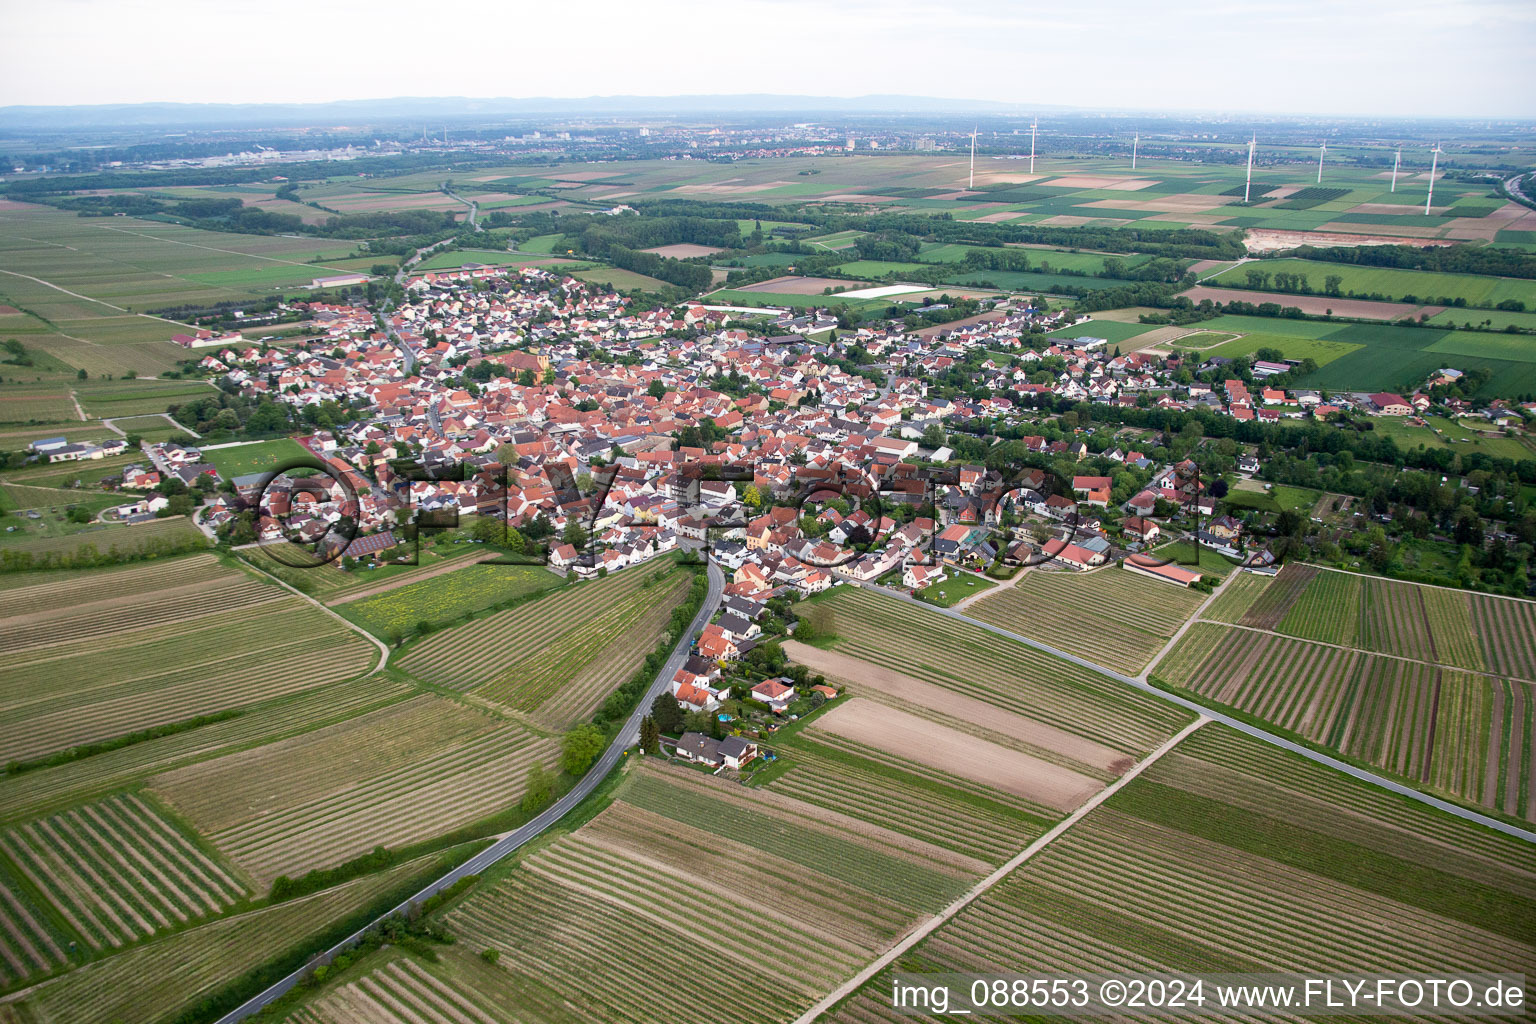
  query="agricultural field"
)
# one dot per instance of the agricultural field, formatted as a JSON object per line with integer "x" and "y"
{"x": 1281, "y": 845}
{"x": 562, "y": 917}
{"x": 1381, "y": 357}
{"x": 555, "y": 659}
{"x": 622, "y": 280}
{"x": 392, "y": 777}
{"x": 1115, "y": 332}
{"x": 1396, "y": 285}
{"x": 166, "y": 976}
{"x": 971, "y": 662}
{"x": 446, "y": 598}
{"x": 111, "y": 399}
{"x": 256, "y": 457}
{"x": 1456, "y": 628}
{"x": 94, "y": 654}
{"x": 1464, "y": 731}
{"x": 1112, "y": 617}
{"x": 57, "y": 536}
{"x": 96, "y": 281}
{"x": 117, "y": 871}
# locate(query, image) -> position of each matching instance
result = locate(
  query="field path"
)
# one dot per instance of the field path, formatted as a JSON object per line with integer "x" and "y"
{"x": 923, "y": 930}
{"x": 354, "y": 627}
{"x": 1178, "y": 634}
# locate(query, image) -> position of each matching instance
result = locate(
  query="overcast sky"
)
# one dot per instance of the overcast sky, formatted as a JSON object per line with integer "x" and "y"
{"x": 1386, "y": 57}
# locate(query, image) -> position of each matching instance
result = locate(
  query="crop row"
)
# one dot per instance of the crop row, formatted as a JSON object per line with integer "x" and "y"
{"x": 1329, "y": 611}
{"x": 615, "y": 634}
{"x": 38, "y": 792}
{"x": 146, "y": 690}
{"x": 115, "y": 871}
{"x": 97, "y": 619}
{"x": 906, "y": 880}
{"x": 904, "y": 802}
{"x": 46, "y": 591}
{"x": 1001, "y": 672}
{"x": 1466, "y": 734}
{"x": 29, "y": 943}
{"x": 1457, "y": 629}
{"x": 1496, "y": 772}
{"x": 443, "y": 792}
{"x": 486, "y": 648}
{"x": 401, "y": 992}
{"x": 156, "y": 980}
{"x": 1255, "y": 775}
{"x": 1110, "y": 616}
{"x": 1236, "y": 597}
{"x": 614, "y": 664}
{"x": 1282, "y": 592}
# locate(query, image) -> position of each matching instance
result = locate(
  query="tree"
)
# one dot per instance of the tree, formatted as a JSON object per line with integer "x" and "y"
{"x": 82, "y": 375}
{"x": 487, "y": 530}
{"x": 506, "y": 455}
{"x": 574, "y": 535}
{"x": 580, "y": 748}
{"x": 657, "y": 389}
{"x": 750, "y": 495}
{"x": 667, "y": 714}
{"x": 539, "y": 788}
{"x": 650, "y": 736}
{"x": 1219, "y": 489}
{"x": 934, "y": 436}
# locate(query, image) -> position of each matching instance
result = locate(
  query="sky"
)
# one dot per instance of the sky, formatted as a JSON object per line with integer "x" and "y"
{"x": 1425, "y": 58}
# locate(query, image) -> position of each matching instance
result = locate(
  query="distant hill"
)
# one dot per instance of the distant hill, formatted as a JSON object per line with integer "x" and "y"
{"x": 459, "y": 108}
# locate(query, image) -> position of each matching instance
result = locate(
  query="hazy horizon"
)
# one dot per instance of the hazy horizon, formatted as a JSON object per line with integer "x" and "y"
{"x": 1309, "y": 58}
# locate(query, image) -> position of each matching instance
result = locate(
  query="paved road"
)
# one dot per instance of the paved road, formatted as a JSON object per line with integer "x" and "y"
{"x": 489, "y": 856}
{"x": 1240, "y": 726}
{"x": 474, "y": 207}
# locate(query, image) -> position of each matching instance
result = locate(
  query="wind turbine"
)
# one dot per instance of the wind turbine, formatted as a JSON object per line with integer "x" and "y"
{"x": 1249, "y": 182}
{"x": 972, "y": 183}
{"x": 1134, "y": 144}
{"x": 1397, "y": 161}
{"x": 1033, "y": 125}
{"x": 1320, "y": 154}
{"x": 1433, "y": 163}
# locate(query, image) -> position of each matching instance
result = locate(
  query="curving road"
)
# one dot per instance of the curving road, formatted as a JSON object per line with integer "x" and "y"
{"x": 1241, "y": 726}
{"x": 627, "y": 736}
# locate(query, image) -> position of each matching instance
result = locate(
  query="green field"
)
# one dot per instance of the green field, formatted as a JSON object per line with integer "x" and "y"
{"x": 257, "y": 457}
{"x": 1113, "y": 331}
{"x": 1382, "y": 357}
{"x": 734, "y": 297}
{"x": 1396, "y": 285}
{"x": 876, "y": 270}
{"x": 446, "y": 598}
{"x": 95, "y": 280}
{"x": 622, "y": 280}
{"x": 1444, "y": 433}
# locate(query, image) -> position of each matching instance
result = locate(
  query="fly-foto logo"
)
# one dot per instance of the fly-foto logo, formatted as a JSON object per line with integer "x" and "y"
{"x": 862, "y": 521}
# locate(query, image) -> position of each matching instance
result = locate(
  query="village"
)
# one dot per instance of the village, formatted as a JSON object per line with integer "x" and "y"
{"x": 802, "y": 453}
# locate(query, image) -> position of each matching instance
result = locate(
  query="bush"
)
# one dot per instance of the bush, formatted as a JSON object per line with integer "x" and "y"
{"x": 490, "y": 956}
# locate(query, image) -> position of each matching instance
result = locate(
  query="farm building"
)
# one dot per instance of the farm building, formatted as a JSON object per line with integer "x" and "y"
{"x": 1166, "y": 572}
